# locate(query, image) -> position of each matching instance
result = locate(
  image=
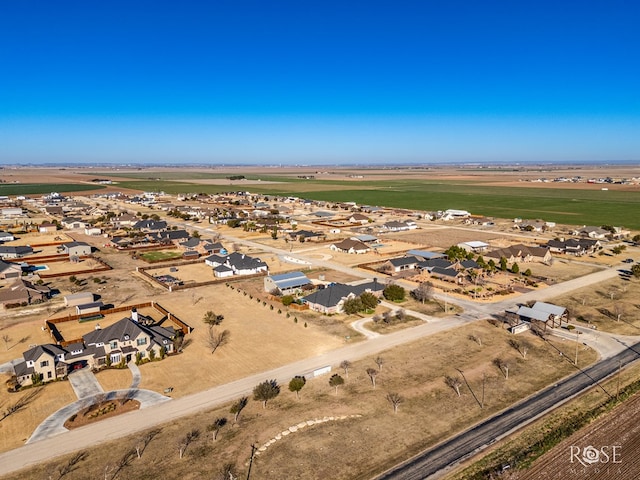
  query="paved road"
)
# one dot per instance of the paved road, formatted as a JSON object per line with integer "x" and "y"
{"x": 436, "y": 461}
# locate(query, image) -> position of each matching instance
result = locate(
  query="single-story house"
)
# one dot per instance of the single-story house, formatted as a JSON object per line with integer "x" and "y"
{"x": 236, "y": 264}
{"x": 574, "y": 246}
{"x": 73, "y": 223}
{"x": 447, "y": 274}
{"x": 350, "y": 246}
{"x": 150, "y": 225}
{"x": 358, "y": 218}
{"x": 286, "y": 283}
{"x": 522, "y": 254}
{"x": 330, "y": 299}
{"x": 592, "y": 232}
{"x": 24, "y": 292}
{"x": 401, "y": 263}
{"x": 6, "y": 237}
{"x": 10, "y": 270}
{"x": 19, "y": 251}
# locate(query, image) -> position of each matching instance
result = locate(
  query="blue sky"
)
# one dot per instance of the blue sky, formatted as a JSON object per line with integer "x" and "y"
{"x": 319, "y": 82}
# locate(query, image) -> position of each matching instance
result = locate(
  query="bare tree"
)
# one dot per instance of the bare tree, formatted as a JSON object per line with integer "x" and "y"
{"x": 226, "y": 472}
{"x": 395, "y": 400}
{"x": 123, "y": 461}
{"x": 216, "y": 339}
{"x": 216, "y": 426}
{"x": 6, "y": 338}
{"x": 521, "y": 347}
{"x": 379, "y": 361}
{"x": 424, "y": 292}
{"x": 71, "y": 464}
{"x": 502, "y": 366}
{"x": 401, "y": 314}
{"x": 475, "y": 338}
{"x": 618, "y": 310}
{"x": 187, "y": 440}
{"x": 453, "y": 382}
{"x": 345, "y": 365}
{"x": 372, "y": 372}
{"x": 144, "y": 442}
{"x": 21, "y": 403}
{"x": 237, "y": 407}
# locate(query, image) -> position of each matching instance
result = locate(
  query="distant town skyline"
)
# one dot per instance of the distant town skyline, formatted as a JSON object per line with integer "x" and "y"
{"x": 319, "y": 82}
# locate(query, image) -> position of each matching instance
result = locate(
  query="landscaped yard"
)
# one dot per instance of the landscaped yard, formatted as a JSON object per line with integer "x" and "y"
{"x": 160, "y": 255}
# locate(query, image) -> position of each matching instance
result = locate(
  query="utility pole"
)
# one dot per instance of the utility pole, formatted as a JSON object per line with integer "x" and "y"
{"x": 577, "y": 336}
{"x": 484, "y": 378}
{"x": 253, "y": 452}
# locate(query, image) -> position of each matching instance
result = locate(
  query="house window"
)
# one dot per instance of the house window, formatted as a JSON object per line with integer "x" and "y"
{"x": 44, "y": 363}
{"x": 113, "y": 345}
{"x": 115, "y": 358}
{"x": 142, "y": 341}
{"x": 49, "y": 374}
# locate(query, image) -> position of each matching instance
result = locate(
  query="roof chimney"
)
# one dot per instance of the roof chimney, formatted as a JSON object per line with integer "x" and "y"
{"x": 97, "y": 327}
{"x": 134, "y": 315}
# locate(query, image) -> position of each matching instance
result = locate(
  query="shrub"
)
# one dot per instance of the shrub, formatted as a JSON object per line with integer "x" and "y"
{"x": 287, "y": 300}
{"x": 394, "y": 293}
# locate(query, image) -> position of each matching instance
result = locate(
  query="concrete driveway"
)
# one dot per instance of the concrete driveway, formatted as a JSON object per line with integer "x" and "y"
{"x": 84, "y": 383}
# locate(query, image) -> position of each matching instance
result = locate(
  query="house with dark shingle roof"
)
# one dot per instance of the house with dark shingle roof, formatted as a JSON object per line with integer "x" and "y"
{"x": 19, "y": 251}
{"x": 330, "y": 299}
{"x": 124, "y": 340}
{"x": 350, "y": 246}
{"x": 236, "y": 264}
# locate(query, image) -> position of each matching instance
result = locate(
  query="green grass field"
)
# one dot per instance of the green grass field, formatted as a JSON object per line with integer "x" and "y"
{"x": 568, "y": 206}
{"x": 43, "y": 188}
{"x": 160, "y": 255}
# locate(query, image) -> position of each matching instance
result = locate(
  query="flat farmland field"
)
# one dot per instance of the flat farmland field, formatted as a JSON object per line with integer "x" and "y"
{"x": 589, "y": 206}
{"x": 619, "y": 429}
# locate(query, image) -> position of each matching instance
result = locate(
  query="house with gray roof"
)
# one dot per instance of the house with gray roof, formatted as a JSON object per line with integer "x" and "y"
{"x": 11, "y": 251}
{"x": 331, "y": 299}
{"x": 236, "y": 264}
{"x": 125, "y": 340}
{"x": 9, "y": 270}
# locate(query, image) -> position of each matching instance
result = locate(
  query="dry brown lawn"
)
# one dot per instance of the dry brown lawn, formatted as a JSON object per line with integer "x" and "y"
{"x": 601, "y": 304}
{"x": 17, "y": 428}
{"x": 357, "y": 447}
